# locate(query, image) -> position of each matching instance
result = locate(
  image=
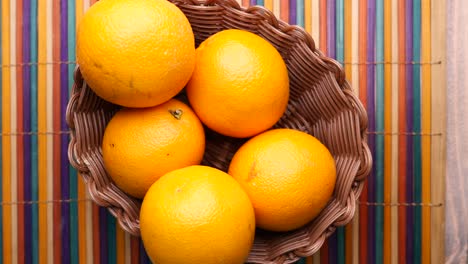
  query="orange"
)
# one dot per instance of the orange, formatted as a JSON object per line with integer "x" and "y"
{"x": 142, "y": 144}
{"x": 240, "y": 84}
{"x": 135, "y": 53}
{"x": 289, "y": 176}
{"x": 197, "y": 214}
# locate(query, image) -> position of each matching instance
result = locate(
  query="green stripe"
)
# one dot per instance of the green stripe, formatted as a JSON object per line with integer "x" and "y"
{"x": 74, "y": 228}
{"x": 417, "y": 128}
{"x": 111, "y": 238}
{"x": 300, "y": 13}
{"x": 340, "y": 233}
{"x": 380, "y": 148}
{"x": 34, "y": 139}
{"x": 339, "y": 30}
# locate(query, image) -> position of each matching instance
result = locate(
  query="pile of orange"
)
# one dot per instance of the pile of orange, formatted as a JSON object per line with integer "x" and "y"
{"x": 141, "y": 54}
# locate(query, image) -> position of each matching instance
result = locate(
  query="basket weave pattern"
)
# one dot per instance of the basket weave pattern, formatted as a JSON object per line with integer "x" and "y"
{"x": 321, "y": 103}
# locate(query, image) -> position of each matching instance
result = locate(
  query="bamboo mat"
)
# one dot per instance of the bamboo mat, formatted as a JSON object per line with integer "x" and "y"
{"x": 393, "y": 52}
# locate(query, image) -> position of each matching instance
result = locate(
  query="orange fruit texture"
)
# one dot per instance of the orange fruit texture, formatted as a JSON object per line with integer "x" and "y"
{"x": 135, "y": 53}
{"x": 240, "y": 84}
{"x": 289, "y": 176}
{"x": 197, "y": 214}
{"x": 142, "y": 144}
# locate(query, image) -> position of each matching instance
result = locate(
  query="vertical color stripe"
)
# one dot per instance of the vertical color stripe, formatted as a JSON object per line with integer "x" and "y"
{"x": 379, "y": 138}
{"x": 409, "y": 127}
{"x": 331, "y": 29}
{"x": 363, "y": 209}
{"x": 2, "y": 72}
{"x": 72, "y": 172}
{"x": 323, "y": 26}
{"x": 34, "y": 137}
{"x": 64, "y": 169}
{"x": 284, "y": 10}
{"x": 308, "y": 16}
{"x": 371, "y": 28}
{"x": 417, "y": 128}
{"x": 300, "y": 13}
{"x": 13, "y": 147}
{"x": 50, "y": 137}
{"x": 426, "y": 129}
{"x": 20, "y": 138}
{"x": 292, "y": 12}
{"x": 42, "y": 126}
{"x": 394, "y": 171}
{"x": 387, "y": 127}
{"x": 402, "y": 142}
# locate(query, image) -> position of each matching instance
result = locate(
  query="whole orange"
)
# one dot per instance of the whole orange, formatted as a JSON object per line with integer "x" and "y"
{"x": 142, "y": 144}
{"x": 240, "y": 84}
{"x": 197, "y": 214}
{"x": 289, "y": 176}
{"x": 135, "y": 53}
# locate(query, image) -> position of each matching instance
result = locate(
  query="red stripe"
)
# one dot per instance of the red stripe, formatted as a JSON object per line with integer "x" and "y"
{"x": 284, "y": 10}
{"x": 401, "y": 128}
{"x": 323, "y": 26}
{"x": 245, "y": 3}
{"x": 56, "y": 125}
{"x": 135, "y": 249}
{"x": 96, "y": 235}
{"x": 20, "y": 126}
{"x": 363, "y": 210}
{"x": 324, "y": 253}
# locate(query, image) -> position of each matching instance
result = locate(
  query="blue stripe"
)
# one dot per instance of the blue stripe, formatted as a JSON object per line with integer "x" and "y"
{"x": 417, "y": 128}
{"x": 74, "y": 255}
{"x": 300, "y": 13}
{"x": 34, "y": 139}
{"x": 380, "y": 151}
{"x": 261, "y": 2}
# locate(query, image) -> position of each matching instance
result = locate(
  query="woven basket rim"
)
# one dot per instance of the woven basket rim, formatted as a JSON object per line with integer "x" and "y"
{"x": 291, "y": 246}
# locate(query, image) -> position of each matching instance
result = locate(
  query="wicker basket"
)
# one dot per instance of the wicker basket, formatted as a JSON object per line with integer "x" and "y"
{"x": 321, "y": 103}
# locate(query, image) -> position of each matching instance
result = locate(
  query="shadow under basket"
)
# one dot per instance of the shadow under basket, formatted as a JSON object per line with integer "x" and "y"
{"x": 321, "y": 103}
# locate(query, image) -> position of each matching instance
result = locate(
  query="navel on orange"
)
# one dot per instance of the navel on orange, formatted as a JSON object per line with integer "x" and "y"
{"x": 142, "y": 144}
{"x": 289, "y": 176}
{"x": 197, "y": 214}
{"x": 135, "y": 53}
{"x": 240, "y": 84}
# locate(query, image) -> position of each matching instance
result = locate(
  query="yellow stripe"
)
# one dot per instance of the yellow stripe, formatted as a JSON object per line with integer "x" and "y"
{"x": 42, "y": 126}
{"x": 308, "y": 15}
{"x": 79, "y": 11}
{"x": 89, "y": 230}
{"x": 120, "y": 243}
{"x": 49, "y": 124}
{"x": 269, "y": 4}
{"x": 426, "y": 128}
{"x": 6, "y": 128}
{"x": 394, "y": 175}
{"x": 387, "y": 127}
{"x": 14, "y": 128}
{"x": 347, "y": 38}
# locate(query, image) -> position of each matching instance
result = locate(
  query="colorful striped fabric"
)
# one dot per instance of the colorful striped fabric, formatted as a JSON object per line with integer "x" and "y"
{"x": 389, "y": 54}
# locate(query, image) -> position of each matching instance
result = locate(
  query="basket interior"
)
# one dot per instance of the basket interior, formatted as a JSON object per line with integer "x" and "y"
{"x": 321, "y": 104}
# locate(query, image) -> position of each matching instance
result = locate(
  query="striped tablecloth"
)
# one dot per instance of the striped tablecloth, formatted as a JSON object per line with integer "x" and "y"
{"x": 393, "y": 52}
